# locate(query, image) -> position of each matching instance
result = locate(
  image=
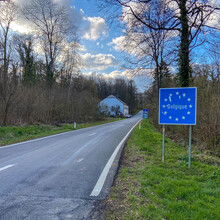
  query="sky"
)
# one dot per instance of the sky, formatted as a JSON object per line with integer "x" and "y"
{"x": 101, "y": 44}
{"x": 101, "y": 55}
{"x": 99, "y": 52}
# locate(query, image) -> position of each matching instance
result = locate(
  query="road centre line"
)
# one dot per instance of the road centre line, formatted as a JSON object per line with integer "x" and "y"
{"x": 81, "y": 159}
{"x": 6, "y": 167}
{"x": 92, "y": 134}
{"x": 100, "y": 183}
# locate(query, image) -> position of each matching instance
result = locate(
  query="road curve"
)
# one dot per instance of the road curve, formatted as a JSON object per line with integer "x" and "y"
{"x": 61, "y": 176}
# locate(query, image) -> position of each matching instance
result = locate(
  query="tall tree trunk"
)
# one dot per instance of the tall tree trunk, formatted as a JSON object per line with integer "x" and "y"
{"x": 157, "y": 76}
{"x": 5, "y": 58}
{"x": 184, "y": 69}
{"x": 5, "y": 119}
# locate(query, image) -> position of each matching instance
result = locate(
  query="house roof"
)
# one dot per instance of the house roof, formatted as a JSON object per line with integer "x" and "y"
{"x": 112, "y": 96}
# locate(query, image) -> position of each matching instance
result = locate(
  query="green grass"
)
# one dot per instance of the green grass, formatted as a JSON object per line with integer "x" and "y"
{"x": 9, "y": 135}
{"x": 148, "y": 189}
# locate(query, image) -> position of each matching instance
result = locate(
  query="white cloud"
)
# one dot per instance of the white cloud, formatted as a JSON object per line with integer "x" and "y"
{"x": 97, "y": 28}
{"x": 141, "y": 77}
{"x": 21, "y": 25}
{"x": 118, "y": 43}
{"x": 90, "y": 28}
{"x": 144, "y": 10}
{"x": 214, "y": 20}
{"x": 135, "y": 44}
{"x": 99, "y": 61}
{"x": 138, "y": 8}
{"x": 68, "y": 52}
{"x": 140, "y": 46}
{"x": 82, "y": 48}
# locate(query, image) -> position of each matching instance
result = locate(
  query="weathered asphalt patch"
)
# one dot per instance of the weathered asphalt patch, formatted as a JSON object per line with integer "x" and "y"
{"x": 44, "y": 208}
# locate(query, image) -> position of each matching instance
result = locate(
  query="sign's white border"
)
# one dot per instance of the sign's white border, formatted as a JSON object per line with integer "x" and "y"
{"x": 195, "y": 105}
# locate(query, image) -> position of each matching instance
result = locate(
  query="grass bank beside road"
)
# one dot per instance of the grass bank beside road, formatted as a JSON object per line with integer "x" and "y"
{"x": 145, "y": 188}
{"x": 14, "y": 134}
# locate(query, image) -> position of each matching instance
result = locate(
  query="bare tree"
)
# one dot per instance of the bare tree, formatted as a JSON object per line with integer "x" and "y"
{"x": 150, "y": 47}
{"x": 24, "y": 48}
{"x": 189, "y": 18}
{"x": 8, "y": 69}
{"x": 51, "y": 25}
{"x": 7, "y": 16}
{"x": 70, "y": 62}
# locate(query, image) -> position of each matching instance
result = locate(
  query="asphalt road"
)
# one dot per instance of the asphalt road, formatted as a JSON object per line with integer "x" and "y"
{"x": 61, "y": 176}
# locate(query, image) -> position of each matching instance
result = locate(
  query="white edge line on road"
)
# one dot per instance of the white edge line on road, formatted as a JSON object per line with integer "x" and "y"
{"x": 6, "y": 167}
{"x": 100, "y": 183}
{"x": 54, "y": 135}
{"x": 92, "y": 134}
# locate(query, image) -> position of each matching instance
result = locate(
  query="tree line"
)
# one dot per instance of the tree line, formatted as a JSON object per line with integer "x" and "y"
{"x": 40, "y": 78}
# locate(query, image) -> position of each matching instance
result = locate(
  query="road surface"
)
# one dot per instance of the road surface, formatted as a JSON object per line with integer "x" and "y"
{"x": 61, "y": 176}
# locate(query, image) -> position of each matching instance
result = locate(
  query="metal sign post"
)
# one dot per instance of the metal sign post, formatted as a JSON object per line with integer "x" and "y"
{"x": 190, "y": 137}
{"x": 163, "y": 147}
{"x": 178, "y": 106}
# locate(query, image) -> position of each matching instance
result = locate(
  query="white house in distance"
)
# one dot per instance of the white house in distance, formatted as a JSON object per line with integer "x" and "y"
{"x": 113, "y": 106}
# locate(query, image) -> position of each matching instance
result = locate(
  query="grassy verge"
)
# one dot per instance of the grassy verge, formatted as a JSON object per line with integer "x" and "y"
{"x": 147, "y": 189}
{"x": 9, "y": 135}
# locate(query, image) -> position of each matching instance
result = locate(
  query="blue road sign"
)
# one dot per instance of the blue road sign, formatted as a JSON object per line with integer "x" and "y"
{"x": 178, "y": 106}
{"x": 145, "y": 113}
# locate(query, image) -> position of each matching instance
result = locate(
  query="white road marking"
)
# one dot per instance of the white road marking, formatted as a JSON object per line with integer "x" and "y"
{"x": 117, "y": 126}
{"x": 6, "y": 167}
{"x": 81, "y": 159}
{"x": 100, "y": 183}
{"x": 92, "y": 134}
